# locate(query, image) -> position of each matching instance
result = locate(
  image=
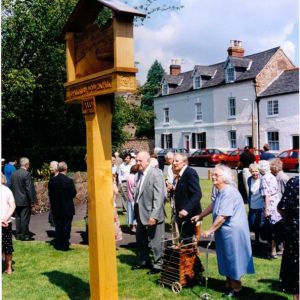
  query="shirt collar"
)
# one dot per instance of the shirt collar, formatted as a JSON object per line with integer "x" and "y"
{"x": 182, "y": 170}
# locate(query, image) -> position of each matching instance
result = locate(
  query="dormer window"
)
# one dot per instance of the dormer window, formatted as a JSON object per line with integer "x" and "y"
{"x": 165, "y": 89}
{"x": 230, "y": 73}
{"x": 197, "y": 82}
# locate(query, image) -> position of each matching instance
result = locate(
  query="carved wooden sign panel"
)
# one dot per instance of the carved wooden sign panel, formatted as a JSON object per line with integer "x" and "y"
{"x": 94, "y": 50}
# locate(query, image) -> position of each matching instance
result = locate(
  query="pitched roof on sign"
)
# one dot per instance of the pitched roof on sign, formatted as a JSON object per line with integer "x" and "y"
{"x": 86, "y": 12}
{"x": 287, "y": 82}
{"x": 121, "y": 7}
{"x": 247, "y": 68}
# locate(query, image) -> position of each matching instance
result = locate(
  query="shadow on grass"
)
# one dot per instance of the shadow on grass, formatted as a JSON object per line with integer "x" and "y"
{"x": 73, "y": 286}
{"x": 274, "y": 284}
{"x": 129, "y": 259}
{"x": 218, "y": 285}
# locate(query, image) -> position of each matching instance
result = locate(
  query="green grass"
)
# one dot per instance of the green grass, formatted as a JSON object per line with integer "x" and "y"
{"x": 40, "y": 272}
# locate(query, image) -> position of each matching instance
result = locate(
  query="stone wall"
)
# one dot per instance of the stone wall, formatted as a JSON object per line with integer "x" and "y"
{"x": 142, "y": 144}
{"x": 41, "y": 187}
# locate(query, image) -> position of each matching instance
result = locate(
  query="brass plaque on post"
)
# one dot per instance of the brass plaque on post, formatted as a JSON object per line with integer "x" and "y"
{"x": 89, "y": 106}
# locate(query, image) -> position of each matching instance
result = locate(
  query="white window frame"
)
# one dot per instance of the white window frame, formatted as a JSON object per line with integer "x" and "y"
{"x": 198, "y": 112}
{"x": 272, "y": 108}
{"x": 232, "y": 138}
{"x": 273, "y": 140}
{"x": 231, "y": 108}
{"x": 197, "y": 82}
{"x": 230, "y": 73}
{"x": 166, "y": 115}
{"x": 199, "y": 141}
{"x": 165, "y": 89}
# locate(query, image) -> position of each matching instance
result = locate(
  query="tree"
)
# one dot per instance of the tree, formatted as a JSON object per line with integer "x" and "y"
{"x": 148, "y": 92}
{"x": 35, "y": 119}
{"x": 152, "y": 85}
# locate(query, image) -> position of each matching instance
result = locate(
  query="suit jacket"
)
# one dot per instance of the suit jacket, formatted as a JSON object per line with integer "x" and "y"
{"x": 188, "y": 193}
{"x": 151, "y": 198}
{"x": 22, "y": 187}
{"x": 62, "y": 191}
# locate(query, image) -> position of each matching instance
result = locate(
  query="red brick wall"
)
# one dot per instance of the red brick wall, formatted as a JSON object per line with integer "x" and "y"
{"x": 273, "y": 68}
{"x": 140, "y": 144}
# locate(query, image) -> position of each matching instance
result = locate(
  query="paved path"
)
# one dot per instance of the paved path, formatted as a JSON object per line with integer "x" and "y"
{"x": 44, "y": 232}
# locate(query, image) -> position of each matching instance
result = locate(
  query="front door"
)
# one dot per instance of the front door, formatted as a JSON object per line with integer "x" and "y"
{"x": 295, "y": 141}
{"x": 250, "y": 141}
{"x": 187, "y": 142}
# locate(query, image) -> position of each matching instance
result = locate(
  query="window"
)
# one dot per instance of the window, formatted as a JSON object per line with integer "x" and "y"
{"x": 166, "y": 115}
{"x": 199, "y": 140}
{"x": 165, "y": 89}
{"x": 230, "y": 73}
{"x": 272, "y": 108}
{"x": 231, "y": 107}
{"x": 273, "y": 140}
{"x": 166, "y": 141}
{"x": 232, "y": 138}
{"x": 198, "y": 109}
{"x": 197, "y": 82}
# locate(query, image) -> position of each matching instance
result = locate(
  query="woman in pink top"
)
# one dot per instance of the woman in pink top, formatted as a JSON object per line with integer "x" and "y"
{"x": 130, "y": 219}
{"x": 7, "y": 209}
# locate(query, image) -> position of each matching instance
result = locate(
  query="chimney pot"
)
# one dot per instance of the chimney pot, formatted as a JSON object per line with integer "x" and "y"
{"x": 175, "y": 68}
{"x": 236, "y": 49}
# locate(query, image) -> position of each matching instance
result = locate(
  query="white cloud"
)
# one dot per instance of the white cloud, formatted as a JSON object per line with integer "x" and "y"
{"x": 200, "y": 32}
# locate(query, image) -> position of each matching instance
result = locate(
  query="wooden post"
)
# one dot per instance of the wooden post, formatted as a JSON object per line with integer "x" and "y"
{"x": 100, "y": 63}
{"x": 102, "y": 246}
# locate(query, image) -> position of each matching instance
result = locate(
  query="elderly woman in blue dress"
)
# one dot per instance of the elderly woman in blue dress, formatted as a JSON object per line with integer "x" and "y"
{"x": 230, "y": 226}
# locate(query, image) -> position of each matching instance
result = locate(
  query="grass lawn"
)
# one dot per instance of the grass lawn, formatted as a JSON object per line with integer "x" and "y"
{"x": 40, "y": 272}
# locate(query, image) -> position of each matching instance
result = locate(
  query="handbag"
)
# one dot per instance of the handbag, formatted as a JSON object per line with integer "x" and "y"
{"x": 265, "y": 230}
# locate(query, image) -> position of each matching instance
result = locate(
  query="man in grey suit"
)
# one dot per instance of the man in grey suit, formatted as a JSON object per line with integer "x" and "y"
{"x": 149, "y": 210}
{"x": 24, "y": 193}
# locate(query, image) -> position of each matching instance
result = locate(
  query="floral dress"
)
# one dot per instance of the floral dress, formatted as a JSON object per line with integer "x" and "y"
{"x": 269, "y": 187}
{"x": 289, "y": 205}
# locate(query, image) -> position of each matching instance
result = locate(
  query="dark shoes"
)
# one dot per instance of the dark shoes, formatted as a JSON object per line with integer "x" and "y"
{"x": 141, "y": 267}
{"x": 153, "y": 271}
{"x": 232, "y": 294}
{"x": 27, "y": 238}
{"x": 24, "y": 238}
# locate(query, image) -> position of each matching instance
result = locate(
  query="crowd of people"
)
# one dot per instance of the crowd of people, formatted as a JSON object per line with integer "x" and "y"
{"x": 266, "y": 186}
{"x": 18, "y": 196}
{"x": 143, "y": 188}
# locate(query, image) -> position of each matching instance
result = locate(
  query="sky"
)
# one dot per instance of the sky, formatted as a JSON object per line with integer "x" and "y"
{"x": 201, "y": 31}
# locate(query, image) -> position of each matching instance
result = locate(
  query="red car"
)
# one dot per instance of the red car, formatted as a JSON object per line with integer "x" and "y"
{"x": 233, "y": 158}
{"x": 290, "y": 159}
{"x": 207, "y": 157}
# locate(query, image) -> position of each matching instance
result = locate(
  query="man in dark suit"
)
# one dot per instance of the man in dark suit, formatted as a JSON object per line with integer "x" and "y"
{"x": 25, "y": 196}
{"x": 149, "y": 210}
{"x": 61, "y": 194}
{"x": 187, "y": 196}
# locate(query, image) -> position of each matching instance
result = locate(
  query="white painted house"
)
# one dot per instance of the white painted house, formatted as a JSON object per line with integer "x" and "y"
{"x": 228, "y": 105}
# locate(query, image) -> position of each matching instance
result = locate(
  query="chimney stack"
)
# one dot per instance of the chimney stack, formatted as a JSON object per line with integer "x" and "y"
{"x": 236, "y": 49}
{"x": 175, "y": 67}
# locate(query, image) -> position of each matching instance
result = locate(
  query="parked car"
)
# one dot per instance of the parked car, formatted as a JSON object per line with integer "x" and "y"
{"x": 161, "y": 155}
{"x": 290, "y": 159}
{"x": 232, "y": 159}
{"x": 207, "y": 157}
